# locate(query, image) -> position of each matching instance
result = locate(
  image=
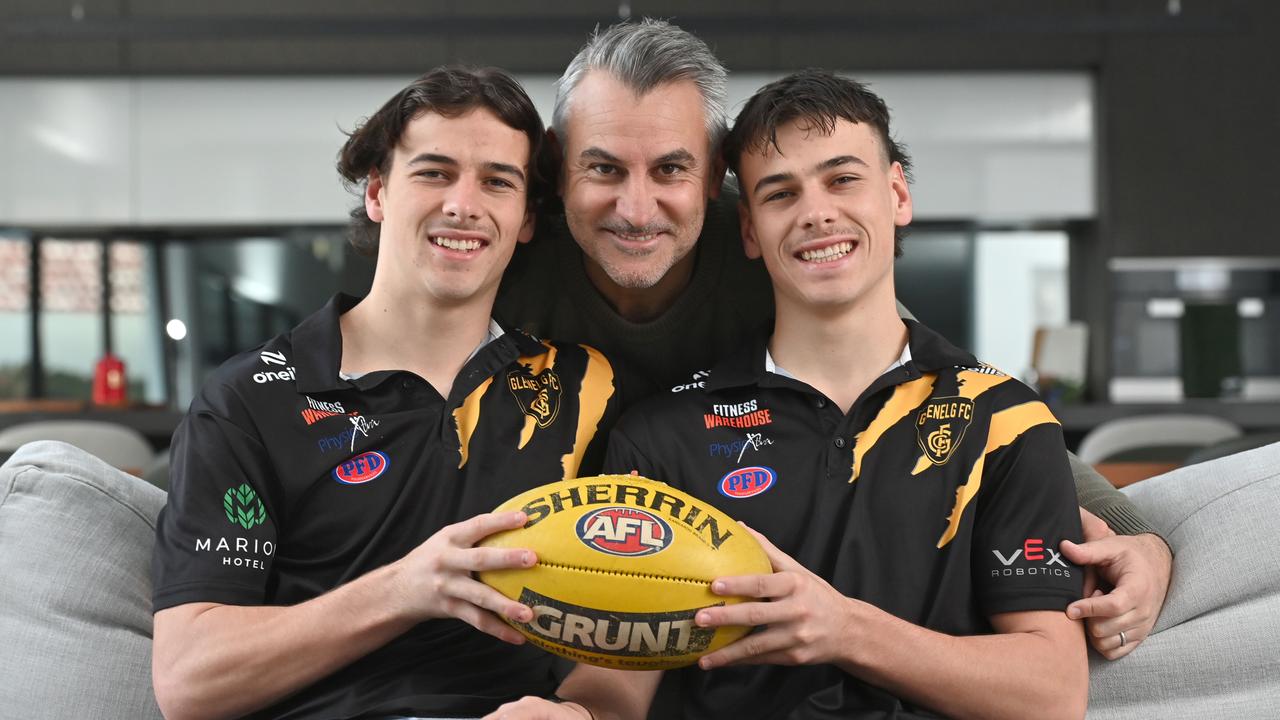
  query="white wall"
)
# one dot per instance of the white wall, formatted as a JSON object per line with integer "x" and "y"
{"x": 993, "y": 147}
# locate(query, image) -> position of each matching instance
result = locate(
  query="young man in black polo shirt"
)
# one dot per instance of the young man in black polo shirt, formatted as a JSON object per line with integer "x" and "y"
{"x": 315, "y": 558}
{"x": 912, "y": 499}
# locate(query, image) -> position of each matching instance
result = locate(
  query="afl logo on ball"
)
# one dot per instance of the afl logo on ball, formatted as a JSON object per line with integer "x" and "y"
{"x": 361, "y": 469}
{"x": 746, "y": 482}
{"x": 624, "y": 531}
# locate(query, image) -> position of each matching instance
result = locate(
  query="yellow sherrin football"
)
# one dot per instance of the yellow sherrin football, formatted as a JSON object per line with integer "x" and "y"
{"x": 624, "y": 563}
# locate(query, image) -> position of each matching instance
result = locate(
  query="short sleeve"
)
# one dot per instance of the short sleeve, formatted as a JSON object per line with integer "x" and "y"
{"x": 216, "y": 536}
{"x": 1026, "y": 509}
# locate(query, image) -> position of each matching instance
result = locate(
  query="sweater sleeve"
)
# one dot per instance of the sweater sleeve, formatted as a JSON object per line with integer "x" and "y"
{"x": 1098, "y": 496}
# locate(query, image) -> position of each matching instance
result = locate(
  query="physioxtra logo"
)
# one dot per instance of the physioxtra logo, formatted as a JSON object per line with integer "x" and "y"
{"x": 624, "y": 531}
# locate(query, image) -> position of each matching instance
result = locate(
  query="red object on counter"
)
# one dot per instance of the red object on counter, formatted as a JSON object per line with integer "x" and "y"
{"x": 109, "y": 382}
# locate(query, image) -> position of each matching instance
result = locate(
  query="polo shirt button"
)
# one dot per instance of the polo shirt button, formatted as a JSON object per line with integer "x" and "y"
{"x": 839, "y": 442}
{"x": 822, "y": 402}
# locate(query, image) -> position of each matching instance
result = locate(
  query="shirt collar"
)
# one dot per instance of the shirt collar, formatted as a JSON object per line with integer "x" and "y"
{"x": 317, "y": 350}
{"x": 925, "y": 351}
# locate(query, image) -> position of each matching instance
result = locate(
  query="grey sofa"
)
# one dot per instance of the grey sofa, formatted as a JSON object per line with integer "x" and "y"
{"x": 75, "y": 609}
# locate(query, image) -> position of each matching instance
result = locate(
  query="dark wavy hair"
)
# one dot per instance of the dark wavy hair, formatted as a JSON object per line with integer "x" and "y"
{"x": 449, "y": 90}
{"x": 820, "y": 98}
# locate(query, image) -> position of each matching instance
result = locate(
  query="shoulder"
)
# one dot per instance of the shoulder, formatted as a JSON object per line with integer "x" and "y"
{"x": 250, "y": 377}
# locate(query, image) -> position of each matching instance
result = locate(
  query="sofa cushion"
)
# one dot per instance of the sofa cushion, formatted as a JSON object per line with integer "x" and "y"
{"x": 1215, "y": 651}
{"x": 75, "y": 603}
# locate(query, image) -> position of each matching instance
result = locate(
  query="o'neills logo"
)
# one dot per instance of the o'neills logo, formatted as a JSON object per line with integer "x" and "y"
{"x": 272, "y": 376}
{"x": 739, "y": 415}
{"x": 624, "y": 531}
{"x": 696, "y": 517}
{"x": 537, "y": 395}
{"x": 614, "y": 633}
{"x": 940, "y": 427}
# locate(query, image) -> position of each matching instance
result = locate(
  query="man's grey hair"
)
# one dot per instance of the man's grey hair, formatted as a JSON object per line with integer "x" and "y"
{"x": 643, "y": 56}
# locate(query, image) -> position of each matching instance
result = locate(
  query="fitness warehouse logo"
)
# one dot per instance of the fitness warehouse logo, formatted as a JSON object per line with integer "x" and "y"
{"x": 318, "y": 410}
{"x": 245, "y": 511}
{"x": 739, "y": 415}
{"x": 1033, "y": 558}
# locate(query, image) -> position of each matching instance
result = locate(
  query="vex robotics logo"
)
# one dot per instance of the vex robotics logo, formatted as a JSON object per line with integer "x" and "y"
{"x": 537, "y": 395}
{"x": 941, "y": 425}
{"x": 1036, "y": 559}
{"x": 624, "y": 531}
{"x": 243, "y": 507}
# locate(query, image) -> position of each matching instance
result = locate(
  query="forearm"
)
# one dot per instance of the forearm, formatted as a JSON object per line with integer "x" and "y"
{"x": 1005, "y": 675}
{"x": 213, "y": 661}
{"x": 1097, "y": 495}
{"x": 611, "y": 694}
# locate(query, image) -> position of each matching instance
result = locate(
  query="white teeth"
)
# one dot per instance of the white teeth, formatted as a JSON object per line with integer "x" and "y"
{"x": 829, "y": 253}
{"x": 453, "y": 244}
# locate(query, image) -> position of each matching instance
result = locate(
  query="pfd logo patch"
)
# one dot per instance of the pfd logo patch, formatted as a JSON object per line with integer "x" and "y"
{"x": 624, "y": 531}
{"x": 362, "y": 468}
{"x": 537, "y": 395}
{"x": 747, "y": 482}
{"x": 941, "y": 425}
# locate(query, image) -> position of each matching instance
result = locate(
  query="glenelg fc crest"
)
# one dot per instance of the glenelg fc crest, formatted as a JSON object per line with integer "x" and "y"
{"x": 537, "y": 395}
{"x": 941, "y": 425}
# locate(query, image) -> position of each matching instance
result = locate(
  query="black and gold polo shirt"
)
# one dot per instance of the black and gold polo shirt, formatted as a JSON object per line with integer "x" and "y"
{"x": 941, "y": 497}
{"x": 288, "y": 481}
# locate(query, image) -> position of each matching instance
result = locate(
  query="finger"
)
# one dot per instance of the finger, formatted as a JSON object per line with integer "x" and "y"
{"x": 487, "y": 623}
{"x": 1110, "y": 647}
{"x": 747, "y": 651}
{"x": 1083, "y": 554}
{"x": 470, "y": 531}
{"x": 478, "y": 559}
{"x": 773, "y": 585}
{"x": 1090, "y": 581}
{"x": 465, "y": 591}
{"x": 1094, "y": 527}
{"x": 778, "y": 559}
{"x": 748, "y": 614}
{"x": 1111, "y": 627}
{"x": 1113, "y": 604}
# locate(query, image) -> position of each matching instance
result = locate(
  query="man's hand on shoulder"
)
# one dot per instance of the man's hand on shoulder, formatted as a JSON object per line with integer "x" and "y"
{"x": 435, "y": 580}
{"x": 1127, "y": 577}
{"x": 801, "y": 610}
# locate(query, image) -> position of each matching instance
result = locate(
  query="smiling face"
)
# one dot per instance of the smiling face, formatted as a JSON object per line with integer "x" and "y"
{"x": 821, "y": 210}
{"x": 637, "y": 176}
{"x": 452, "y": 207}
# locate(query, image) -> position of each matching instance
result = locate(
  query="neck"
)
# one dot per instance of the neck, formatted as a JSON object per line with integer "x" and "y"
{"x": 391, "y": 331}
{"x": 838, "y": 351}
{"x": 648, "y": 303}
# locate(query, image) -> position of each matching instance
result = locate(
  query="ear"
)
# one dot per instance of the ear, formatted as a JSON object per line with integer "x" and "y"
{"x": 526, "y": 230}
{"x": 716, "y": 179}
{"x": 373, "y": 196}
{"x": 901, "y": 196}
{"x": 555, "y": 156}
{"x": 750, "y": 245}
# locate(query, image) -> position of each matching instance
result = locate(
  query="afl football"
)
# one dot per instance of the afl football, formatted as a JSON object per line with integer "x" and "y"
{"x": 624, "y": 564}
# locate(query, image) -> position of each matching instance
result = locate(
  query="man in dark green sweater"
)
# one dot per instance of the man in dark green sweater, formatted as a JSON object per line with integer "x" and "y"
{"x": 646, "y": 264}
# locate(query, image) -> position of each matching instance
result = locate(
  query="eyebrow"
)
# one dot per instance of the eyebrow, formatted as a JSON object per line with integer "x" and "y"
{"x": 498, "y": 167}
{"x": 834, "y": 162}
{"x": 679, "y": 155}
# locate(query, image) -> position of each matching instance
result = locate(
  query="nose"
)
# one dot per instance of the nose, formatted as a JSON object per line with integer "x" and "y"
{"x": 462, "y": 202}
{"x": 636, "y": 203}
{"x": 816, "y": 211}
